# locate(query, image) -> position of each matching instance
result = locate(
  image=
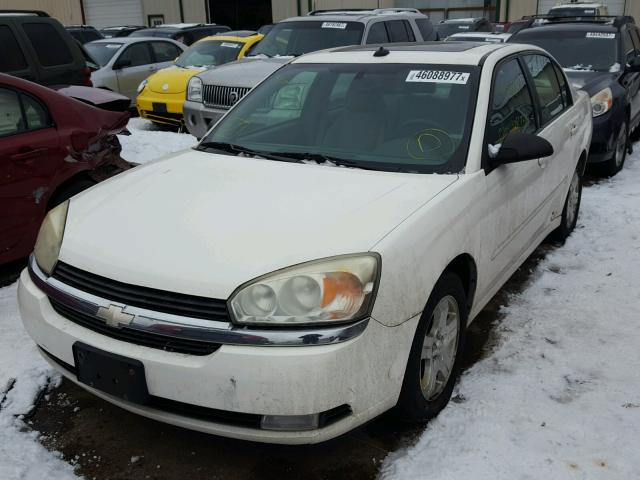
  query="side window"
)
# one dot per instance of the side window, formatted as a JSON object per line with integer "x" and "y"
{"x": 425, "y": 27}
{"x": 91, "y": 35}
{"x": 48, "y": 44}
{"x": 11, "y": 120}
{"x": 564, "y": 86}
{"x": 165, "y": 51}
{"x": 546, "y": 85}
{"x": 138, "y": 54}
{"x": 409, "y": 29}
{"x": 35, "y": 113}
{"x": 11, "y": 56}
{"x": 397, "y": 32}
{"x": 377, "y": 34}
{"x": 511, "y": 108}
{"x": 629, "y": 48}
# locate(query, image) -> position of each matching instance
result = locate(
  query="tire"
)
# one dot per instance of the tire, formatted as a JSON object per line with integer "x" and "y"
{"x": 571, "y": 208}
{"x": 68, "y": 192}
{"x": 422, "y": 399}
{"x": 615, "y": 164}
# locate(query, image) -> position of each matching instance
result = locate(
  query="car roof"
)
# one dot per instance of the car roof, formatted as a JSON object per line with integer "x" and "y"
{"x": 466, "y": 53}
{"x": 462, "y": 20}
{"x": 122, "y": 27}
{"x": 578, "y": 5}
{"x": 503, "y": 36}
{"x": 128, "y": 40}
{"x": 229, "y": 38}
{"x": 578, "y": 26}
{"x": 356, "y": 15}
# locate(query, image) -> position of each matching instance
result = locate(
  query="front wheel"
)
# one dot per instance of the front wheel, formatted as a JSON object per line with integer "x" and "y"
{"x": 571, "y": 208}
{"x": 434, "y": 361}
{"x": 615, "y": 164}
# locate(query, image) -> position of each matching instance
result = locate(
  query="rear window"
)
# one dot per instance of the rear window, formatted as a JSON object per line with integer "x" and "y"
{"x": 11, "y": 56}
{"x": 48, "y": 43}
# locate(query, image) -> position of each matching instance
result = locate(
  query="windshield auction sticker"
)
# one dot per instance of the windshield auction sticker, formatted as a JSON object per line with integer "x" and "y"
{"x": 438, "y": 76}
{"x": 340, "y": 25}
{"x": 229, "y": 45}
{"x": 600, "y": 35}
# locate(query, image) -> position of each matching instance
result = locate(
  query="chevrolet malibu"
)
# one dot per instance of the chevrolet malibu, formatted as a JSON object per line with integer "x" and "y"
{"x": 317, "y": 258}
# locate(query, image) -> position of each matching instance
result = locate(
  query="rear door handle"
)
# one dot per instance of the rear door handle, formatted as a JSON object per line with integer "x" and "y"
{"x": 29, "y": 154}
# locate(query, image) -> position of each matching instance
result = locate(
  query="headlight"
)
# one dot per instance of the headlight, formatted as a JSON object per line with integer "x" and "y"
{"x": 50, "y": 236}
{"x": 143, "y": 84}
{"x": 332, "y": 290}
{"x": 194, "y": 90}
{"x": 602, "y": 102}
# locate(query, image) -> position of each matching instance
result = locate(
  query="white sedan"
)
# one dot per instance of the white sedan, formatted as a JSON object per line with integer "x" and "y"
{"x": 317, "y": 258}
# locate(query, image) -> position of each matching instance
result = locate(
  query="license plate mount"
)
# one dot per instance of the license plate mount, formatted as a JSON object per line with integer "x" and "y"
{"x": 110, "y": 373}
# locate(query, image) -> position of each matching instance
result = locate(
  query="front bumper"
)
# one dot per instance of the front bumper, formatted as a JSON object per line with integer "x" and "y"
{"x": 364, "y": 373}
{"x": 165, "y": 108}
{"x": 199, "y": 118}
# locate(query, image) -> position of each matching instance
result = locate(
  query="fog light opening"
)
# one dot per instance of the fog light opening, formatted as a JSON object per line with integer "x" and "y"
{"x": 290, "y": 423}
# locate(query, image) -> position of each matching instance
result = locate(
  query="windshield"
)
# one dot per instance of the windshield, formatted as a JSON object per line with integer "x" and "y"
{"x": 102, "y": 52}
{"x": 393, "y": 117}
{"x": 297, "y": 38}
{"x": 210, "y": 52}
{"x": 576, "y": 50}
{"x": 446, "y": 29}
{"x": 572, "y": 12}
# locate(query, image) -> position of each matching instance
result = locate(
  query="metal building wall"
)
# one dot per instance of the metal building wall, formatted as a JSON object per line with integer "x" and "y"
{"x": 67, "y": 11}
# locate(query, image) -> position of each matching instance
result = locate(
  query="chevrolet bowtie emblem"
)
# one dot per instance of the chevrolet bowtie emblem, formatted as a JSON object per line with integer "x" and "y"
{"x": 114, "y": 316}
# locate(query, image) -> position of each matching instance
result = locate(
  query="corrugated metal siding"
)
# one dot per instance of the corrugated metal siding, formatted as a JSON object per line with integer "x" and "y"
{"x": 104, "y": 13}
{"x": 66, "y": 11}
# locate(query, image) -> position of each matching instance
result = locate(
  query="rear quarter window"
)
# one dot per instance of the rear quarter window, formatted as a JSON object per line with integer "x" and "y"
{"x": 11, "y": 55}
{"x": 48, "y": 44}
{"x": 425, "y": 27}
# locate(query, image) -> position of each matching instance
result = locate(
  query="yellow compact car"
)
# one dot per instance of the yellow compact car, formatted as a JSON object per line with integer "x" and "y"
{"x": 161, "y": 96}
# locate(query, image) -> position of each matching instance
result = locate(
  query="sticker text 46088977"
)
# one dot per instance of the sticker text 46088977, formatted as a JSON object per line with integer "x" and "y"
{"x": 438, "y": 76}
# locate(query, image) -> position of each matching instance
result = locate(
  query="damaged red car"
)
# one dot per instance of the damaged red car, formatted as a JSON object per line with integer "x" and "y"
{"x": 51, "y": 147}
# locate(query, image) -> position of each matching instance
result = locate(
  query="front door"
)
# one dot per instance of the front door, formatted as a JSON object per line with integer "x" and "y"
{"x": 29, "y": 154}
{"x": 132, "y": 67}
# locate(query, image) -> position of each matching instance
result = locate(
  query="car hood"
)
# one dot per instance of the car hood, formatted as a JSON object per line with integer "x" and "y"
{"x": 203, "y": 224}
{"x": 591, "y": 82}
{"x": 247, "y": 72}
{"x": 98, "y": 97}
{"x": 172, "y": 79}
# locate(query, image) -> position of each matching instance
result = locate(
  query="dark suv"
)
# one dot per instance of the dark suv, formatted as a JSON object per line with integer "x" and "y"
{"x": 84, "y": 33}
{"x": 186, "y": 33}
{"x": 447, "y": 28}
{"x": 601, "y": 56}
{"x": 36, "y": 47}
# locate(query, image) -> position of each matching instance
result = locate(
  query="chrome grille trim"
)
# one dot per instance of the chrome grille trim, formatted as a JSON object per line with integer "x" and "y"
{"x": 221, "y": 96}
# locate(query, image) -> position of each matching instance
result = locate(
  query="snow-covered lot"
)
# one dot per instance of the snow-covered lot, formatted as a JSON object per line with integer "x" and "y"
{"x": 559, "y": 397}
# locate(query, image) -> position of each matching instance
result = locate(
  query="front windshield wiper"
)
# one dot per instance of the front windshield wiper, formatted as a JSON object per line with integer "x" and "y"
{"x": 321, "y": 158}
{"x": 239, "y": 149}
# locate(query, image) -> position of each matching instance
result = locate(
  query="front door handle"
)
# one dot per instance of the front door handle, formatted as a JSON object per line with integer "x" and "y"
{"x": 573, "y": 130}
{"x": 26, "y": 155}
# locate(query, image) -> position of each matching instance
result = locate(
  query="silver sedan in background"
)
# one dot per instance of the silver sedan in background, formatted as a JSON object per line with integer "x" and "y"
{"x": 125, "y": 62}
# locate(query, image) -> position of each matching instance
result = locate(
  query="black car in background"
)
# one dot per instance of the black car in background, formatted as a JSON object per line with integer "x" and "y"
{"x": 83, "y": 33}
{"x": 120, "y": 30}
{"x": 36, "y": 47}
{"x": 462, "y": 25}
{"x": 602, "y": 57}
{"x": 186, "y": 33}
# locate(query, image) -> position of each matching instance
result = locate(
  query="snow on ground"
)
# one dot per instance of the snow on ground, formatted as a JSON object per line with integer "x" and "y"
{"x": 147, "y": 142}
{"x": 560, "y": 397}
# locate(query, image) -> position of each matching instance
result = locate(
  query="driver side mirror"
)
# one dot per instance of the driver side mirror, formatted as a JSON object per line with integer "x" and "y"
{"x": 634, "y": 64}
{"x": 121, "y": 64}
{"x": 520, "y": 147}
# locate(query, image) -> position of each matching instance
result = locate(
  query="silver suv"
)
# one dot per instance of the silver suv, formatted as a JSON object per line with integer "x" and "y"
{"x": 210, "y": 94}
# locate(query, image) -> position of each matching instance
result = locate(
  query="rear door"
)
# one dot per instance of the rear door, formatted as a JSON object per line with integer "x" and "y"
{"x": 58, "y": 56}
{"x": 134, "y": 64}
{"x": 30, "y": 153}
{"x": 12, "y": 56}
{"x": 559, "y": 125}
